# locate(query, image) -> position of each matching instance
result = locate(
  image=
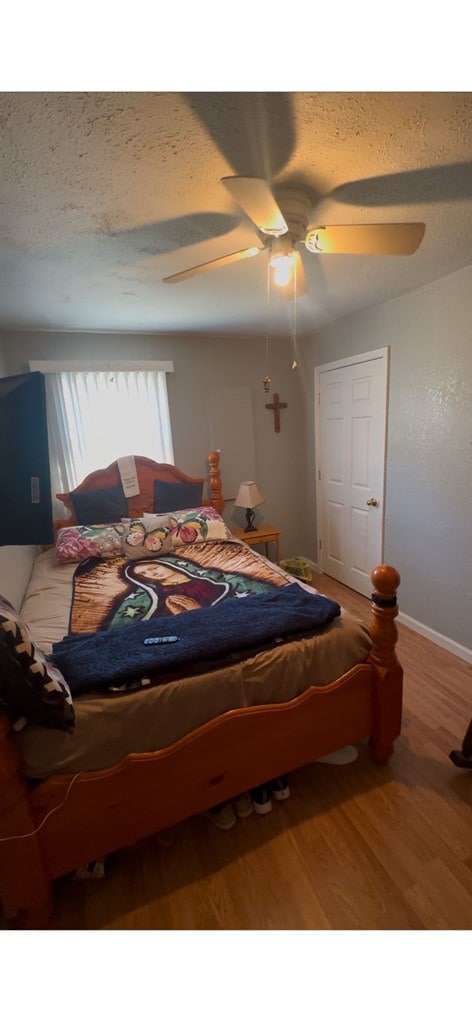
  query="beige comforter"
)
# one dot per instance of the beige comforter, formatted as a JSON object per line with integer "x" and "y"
{"x": 108, "y": 728}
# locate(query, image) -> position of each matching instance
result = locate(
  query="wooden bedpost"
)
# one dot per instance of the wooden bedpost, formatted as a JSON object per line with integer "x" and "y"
{"x": 384, "y": 634}
{"x": 216, "y": 492}
{"x": 25, "y": 890}
{"x": 383, "y": 630}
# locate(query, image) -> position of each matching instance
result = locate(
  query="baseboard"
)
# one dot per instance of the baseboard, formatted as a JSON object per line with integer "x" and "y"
{"x": 437, "y": 638}
{"x": 419, "y": 627}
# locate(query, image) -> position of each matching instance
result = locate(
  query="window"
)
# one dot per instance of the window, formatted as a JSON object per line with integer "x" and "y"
{"x": 98, "y": 415}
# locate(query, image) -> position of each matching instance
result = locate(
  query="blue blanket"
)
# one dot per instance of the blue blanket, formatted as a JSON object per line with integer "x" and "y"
{"x": 110, "y": 657}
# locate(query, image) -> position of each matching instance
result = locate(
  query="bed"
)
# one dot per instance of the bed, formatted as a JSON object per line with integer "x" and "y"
{"x": 143, "y": 757}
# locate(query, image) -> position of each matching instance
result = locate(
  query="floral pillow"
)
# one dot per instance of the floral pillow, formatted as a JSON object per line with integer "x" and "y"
{"x": 147, "y": 537}
{"x": 31, "y": 686}
{"x": 192, "y": 525}
{"x": 76, "y": 543}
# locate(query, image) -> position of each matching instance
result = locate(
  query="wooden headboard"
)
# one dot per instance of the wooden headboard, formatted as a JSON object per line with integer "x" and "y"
{"x": 147, "y": 472}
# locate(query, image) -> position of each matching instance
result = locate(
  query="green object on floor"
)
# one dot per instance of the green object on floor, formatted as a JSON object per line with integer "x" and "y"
{"x": 298, "y": 567}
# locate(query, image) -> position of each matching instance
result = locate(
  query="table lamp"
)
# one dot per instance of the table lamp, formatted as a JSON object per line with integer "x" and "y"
{"x": 249, "y": 497}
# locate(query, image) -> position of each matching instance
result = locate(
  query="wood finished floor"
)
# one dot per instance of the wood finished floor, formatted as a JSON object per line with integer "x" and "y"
{"x": 355, "y": 847}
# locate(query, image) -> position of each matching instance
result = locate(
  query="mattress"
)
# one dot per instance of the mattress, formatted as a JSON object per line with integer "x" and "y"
{"x": 110, "y": 727}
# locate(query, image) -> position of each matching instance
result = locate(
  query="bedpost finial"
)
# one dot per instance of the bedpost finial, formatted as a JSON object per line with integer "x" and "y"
{"x": 386, "y": 580}
{"x": 383, "y": 630}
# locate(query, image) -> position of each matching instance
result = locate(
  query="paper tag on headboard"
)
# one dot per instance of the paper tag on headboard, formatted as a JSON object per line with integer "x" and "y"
{"x": 129, "y": 476}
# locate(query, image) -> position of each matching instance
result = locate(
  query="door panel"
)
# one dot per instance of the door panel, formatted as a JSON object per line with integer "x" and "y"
{"x": 359, "y": 540}
{"x": 360, "y": 445}
{"x": 351, "y": 461}
{"x": 335, "y": 532}
{"x": 335, "y": 450}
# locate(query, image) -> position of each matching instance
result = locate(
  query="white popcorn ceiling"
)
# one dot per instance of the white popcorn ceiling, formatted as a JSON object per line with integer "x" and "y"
{"x": 104, "y": 194}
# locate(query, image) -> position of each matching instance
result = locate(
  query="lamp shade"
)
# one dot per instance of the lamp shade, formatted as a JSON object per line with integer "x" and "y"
{"x": 248, "y": 495}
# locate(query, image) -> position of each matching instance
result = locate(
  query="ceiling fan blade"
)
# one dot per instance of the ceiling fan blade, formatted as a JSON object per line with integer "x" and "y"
{"x": 366, "y": 239}
{"x": 298, "y": 282}
{"x": 211, "y": 264}
{"x": 255, "y": 197}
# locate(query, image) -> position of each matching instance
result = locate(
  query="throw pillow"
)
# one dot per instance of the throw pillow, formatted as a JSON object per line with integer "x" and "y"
{"x": 106, "y": 505}
{"x": 147, "y": 537}
{"x": 191, "y": 526}
{"x": 171, "y": 496}
{"x": 76, "y": 543}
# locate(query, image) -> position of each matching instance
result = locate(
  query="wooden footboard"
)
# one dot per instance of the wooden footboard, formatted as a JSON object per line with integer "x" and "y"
{"x": 80, "y": 818}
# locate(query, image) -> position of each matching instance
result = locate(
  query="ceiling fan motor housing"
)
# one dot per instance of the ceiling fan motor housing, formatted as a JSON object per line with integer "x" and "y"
{"x": 295, "y": 206}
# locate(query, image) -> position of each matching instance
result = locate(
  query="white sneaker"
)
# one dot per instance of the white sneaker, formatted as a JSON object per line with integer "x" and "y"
{"x": 280, "y": 788}
{"x": 344, "y": 756}
{"x": 242, "y": 805}
{"x": 222, "y": 816}
{"x": 261, "y": 801}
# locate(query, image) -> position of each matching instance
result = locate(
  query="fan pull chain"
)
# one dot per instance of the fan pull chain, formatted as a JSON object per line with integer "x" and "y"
{"x": 294, "y": 330}
{"x": 267, "y": 381}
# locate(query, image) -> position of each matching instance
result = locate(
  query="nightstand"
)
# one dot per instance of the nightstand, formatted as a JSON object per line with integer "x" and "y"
{"x": 265, "y": 534}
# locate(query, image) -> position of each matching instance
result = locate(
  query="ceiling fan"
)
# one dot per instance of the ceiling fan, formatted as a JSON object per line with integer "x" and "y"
{"x": 282, "y": 218}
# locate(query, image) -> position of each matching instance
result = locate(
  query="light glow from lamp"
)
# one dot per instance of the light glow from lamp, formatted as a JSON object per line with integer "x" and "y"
{"x": 283, "y": 266}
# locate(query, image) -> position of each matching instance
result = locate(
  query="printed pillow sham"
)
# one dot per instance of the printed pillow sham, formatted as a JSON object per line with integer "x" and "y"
{"x": 31, "y": 687}
{"x": 140, "y": 538}
{"x": 76, "y": 543}
{"x": 192, "y": 525}
{"x": 147, "y": 537}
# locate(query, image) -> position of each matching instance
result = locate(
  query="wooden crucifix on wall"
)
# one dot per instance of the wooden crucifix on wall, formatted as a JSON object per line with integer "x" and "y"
{"x": 276, "y": 406}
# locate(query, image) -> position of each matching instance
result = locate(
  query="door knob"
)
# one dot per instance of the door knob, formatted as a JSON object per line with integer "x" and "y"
{"x": 372, "y": 501}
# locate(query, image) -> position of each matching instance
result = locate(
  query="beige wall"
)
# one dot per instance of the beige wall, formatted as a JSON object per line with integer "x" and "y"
{"x": 200, "y": 366}
{"x": 428, "y": 527}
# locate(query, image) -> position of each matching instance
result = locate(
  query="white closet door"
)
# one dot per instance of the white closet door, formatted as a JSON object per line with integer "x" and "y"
{"x": 351, "y": 421}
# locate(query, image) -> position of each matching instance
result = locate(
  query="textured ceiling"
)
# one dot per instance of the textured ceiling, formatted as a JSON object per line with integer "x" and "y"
{"x": 104, "y": 194}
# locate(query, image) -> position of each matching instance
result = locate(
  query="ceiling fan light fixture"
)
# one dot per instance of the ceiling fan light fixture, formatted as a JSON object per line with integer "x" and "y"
{"x": 282, "y": 260}
{"x": 283, "y": 265}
